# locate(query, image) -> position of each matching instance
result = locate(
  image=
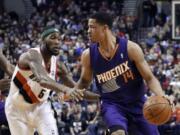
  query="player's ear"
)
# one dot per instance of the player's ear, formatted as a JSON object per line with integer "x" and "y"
{"x": 106, "y": 27}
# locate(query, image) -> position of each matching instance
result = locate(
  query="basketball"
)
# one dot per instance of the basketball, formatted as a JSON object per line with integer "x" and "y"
{"x": 157, "y": 110}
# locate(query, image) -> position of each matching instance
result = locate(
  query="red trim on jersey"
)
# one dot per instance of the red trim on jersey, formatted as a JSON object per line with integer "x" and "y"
{"x": 56, "y": 76}
{"x": 27, "y": 88}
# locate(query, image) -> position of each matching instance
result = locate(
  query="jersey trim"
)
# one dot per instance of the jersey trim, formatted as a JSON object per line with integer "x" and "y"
{"x": 113, "y": 55}
{"x": 25, "y": 89}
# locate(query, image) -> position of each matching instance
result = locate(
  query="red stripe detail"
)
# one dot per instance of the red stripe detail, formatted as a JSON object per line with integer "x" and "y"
{"x": 27, "y": 88}
{"x": 56, "y": 76}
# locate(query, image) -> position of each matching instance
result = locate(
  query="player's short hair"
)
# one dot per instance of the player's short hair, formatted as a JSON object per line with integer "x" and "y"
{"x": 103, "y": 18}
{"x": 47, "y": 31}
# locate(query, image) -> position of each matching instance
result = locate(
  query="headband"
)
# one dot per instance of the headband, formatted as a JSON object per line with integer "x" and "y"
{"x": 49, "y": 31}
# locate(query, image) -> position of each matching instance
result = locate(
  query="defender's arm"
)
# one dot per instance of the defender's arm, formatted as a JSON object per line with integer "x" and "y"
{"x": 33, "y": 60}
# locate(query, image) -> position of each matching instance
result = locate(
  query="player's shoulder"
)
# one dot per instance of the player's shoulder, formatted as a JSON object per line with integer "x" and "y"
{"x": 85, "y": 58}
{"x": 30, "y": 51}
{"x": 134, "y": 50}
{"x": 33, "y": 51}
{"x": 30, "y": 55}
{"x": 132, "y": 45}
{"x": 86, "y": 52}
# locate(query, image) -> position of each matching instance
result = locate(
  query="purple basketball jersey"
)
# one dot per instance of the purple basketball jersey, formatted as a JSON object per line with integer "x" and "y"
{"x": 122, "y": 90}
{"x": 117, "y": 79}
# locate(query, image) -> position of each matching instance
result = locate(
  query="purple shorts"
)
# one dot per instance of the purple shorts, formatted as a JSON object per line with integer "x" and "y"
{"x": 3, "y": 119}
{"x": 124, "y": 117}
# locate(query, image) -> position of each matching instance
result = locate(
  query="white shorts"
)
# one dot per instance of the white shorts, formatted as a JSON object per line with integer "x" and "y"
{"x": 24, "y": 120}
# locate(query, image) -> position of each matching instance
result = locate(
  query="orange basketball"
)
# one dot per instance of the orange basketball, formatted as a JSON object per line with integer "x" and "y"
{"x": 157, "y": 110}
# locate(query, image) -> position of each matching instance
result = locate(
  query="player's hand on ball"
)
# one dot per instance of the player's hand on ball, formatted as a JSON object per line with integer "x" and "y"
{"x": 171, "y": 101}
{"x": 157, "y": 110}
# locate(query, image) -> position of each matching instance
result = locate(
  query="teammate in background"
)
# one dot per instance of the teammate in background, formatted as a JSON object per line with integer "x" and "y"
{"x": 5, "y": 65}
{"x": 8, "y": 68}
{"x": 119, "y": 69}
{"x": 4, "y": 84}
{"x": 27, "y": 105}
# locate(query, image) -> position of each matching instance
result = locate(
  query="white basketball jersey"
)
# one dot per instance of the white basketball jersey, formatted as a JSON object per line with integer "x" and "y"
{"x": 31, "y": 91}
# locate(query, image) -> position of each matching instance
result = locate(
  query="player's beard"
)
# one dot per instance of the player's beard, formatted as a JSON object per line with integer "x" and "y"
{"x": 50, "y": 50}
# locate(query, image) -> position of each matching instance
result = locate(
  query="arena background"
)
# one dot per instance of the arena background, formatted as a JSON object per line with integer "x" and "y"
{"x": 153, "y": 24}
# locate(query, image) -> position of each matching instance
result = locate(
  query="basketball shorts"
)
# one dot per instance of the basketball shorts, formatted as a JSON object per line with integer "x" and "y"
{"x": 132, "y": 123}
{"x": 27, "y": 120}
{"x": 3, "y": 120}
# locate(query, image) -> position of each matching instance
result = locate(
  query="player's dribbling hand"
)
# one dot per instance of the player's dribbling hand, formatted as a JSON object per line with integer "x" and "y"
{"x": 171, "y": 101}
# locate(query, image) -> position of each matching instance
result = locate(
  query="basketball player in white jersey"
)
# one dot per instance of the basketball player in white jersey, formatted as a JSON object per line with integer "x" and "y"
{"x": 27, "y": 106}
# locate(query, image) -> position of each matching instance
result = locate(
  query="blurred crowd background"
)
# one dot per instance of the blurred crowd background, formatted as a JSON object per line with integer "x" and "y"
{"x": 146, "y": 22}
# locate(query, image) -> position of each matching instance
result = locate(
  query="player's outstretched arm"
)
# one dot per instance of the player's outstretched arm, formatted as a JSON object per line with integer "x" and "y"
{"x": 33, "y": 60}
{"x": 86, "y": 77}
{"x": 5, "y": 65}
{"x": 135, "y": 54}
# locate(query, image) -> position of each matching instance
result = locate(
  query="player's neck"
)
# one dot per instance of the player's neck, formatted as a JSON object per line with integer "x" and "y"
{"x": 108, "y": 43}
{"x": 108, "y": 46}
{"x": 45, "y": 54}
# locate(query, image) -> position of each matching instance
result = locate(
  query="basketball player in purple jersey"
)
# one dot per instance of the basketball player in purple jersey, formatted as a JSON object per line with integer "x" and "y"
{"x": 119, "y": 69}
